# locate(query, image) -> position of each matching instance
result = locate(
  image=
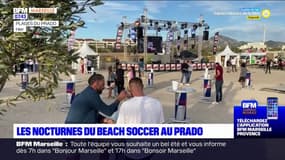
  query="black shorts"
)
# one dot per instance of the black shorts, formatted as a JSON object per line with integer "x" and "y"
{"x": 109, "y": 83}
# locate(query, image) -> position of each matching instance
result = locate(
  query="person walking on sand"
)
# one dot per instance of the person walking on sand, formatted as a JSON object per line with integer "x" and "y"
{"x": 190, "y": 69}
{"x": 111, "y": 81}
{"x": 120, "y": 80}
{"x": 268, "y": 66}
{"x": 229, "y": 66}
{"x": 82, "y": 65}
{"x": 219, "y": 83}
{"x": 184, "y": 71}
{"x": 243, "y": 71}
{"x": 234, "y": 64}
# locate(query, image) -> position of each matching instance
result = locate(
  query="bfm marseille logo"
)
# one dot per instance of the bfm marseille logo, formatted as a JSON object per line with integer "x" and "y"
{"x": 20, "y": 13}
{"x": 249, "y": 106}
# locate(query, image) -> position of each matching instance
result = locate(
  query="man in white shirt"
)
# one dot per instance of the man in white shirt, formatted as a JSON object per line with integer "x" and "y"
{"x": 234, "y": 64}
{"x": 140, "y": 109}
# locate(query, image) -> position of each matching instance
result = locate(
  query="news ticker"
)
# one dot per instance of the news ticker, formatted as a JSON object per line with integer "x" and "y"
{"x": 21, "y": 16}
{"x": 154, "y": 149}
{"x": 126, "y": 131}
{"x": 250, "y": 120}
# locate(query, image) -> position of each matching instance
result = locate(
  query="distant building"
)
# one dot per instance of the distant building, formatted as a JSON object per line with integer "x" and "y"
{"x": 257, "y": 46}
{"x": 283, "y": 47}
{"x": 104, "y": 43}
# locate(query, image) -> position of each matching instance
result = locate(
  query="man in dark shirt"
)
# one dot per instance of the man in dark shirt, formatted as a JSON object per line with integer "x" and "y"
{"x": 185, "y": 72}
{"x": 219, "y": 83}
{"x": 120, "y": 79}
{"x": 280, "y": 64}
{"x": 268, "y": 65}
{"x": 85, "y": 107}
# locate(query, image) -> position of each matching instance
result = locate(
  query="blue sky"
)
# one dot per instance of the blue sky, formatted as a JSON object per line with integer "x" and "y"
{"x": 104, "y": 23}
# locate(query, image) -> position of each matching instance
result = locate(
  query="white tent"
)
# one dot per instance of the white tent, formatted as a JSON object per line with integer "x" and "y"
{"x": 83, "y": 52}
{"x": 227, "y": 54}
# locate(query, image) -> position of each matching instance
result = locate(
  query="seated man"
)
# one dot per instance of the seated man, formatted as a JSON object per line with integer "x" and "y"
{"x": 140, "y": 108}
{"x": 86, "y": 106}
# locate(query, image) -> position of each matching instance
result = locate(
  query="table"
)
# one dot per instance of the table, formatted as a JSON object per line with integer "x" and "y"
{"x": 180, "y": 103}
{"x": 206, "y": 90}
{"x": 70, "y": 93}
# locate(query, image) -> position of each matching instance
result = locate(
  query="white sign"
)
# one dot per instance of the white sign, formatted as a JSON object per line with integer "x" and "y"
{"x": 19, "y": 28}
{"x": 36, "y": 23}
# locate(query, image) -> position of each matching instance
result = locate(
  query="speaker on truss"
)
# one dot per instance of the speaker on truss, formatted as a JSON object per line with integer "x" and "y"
{"x": 142, "y": 18}
{"x": 139, "y": 32}
{"x": 205, "y": 35}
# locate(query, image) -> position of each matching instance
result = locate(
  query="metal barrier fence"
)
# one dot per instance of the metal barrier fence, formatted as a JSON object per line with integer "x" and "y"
{"x": 170, "y": 66}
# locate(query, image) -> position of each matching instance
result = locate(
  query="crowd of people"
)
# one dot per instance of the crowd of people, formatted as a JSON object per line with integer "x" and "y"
{"x": 31, "y": 64}
{"x": 138, "y": 108}
{"x": 131, "y": 104}
{"x": 116, "y": 77}
{"x": 269, "y": 63}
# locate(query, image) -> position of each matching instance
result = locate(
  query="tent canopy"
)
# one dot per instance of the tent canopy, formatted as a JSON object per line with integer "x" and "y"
{"x": 227, "y": 53}
{"x": 85, "y": 51}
